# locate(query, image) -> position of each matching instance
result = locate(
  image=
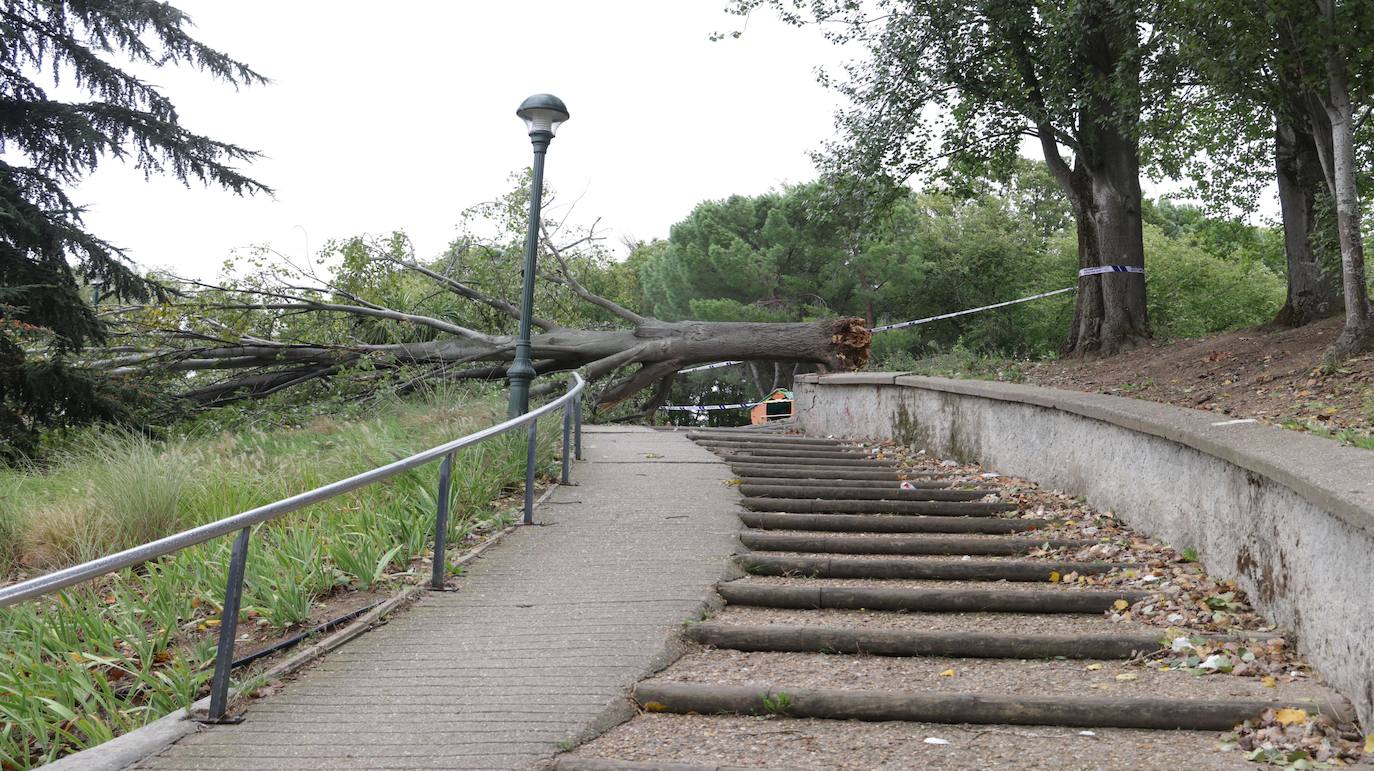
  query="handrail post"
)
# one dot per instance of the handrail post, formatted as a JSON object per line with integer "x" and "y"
{"x": 228, "y": 627}
{"x": 529, "y": 471}
{"x": 567, "y": 444}
{"x": 436, "y": 581}
{"x": 577, "y": 427}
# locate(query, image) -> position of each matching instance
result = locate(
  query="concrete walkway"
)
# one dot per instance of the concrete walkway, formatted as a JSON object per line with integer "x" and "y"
{"x": 537, "y": 648}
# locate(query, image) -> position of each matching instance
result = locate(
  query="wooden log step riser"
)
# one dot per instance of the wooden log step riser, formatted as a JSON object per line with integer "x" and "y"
{"x": 882, "y": 523}
{"x": 576, "y": 763}
{"x": 891, "y": 485}
{"x": 888, "y": 642}
{"x": 858, "y": 494}
{"x": 826, "y": 472}
{"x": 945, "y": 508}
{"x": 978, "y": 709}
{"x": 800, "y": 456}
{"x": 773, "y": 446}
{"x": 768, "y": 456}
{"x": 832, "y": 463}
{"x": 775, "y": 438}
{"x": 917, "y": 570}
{"x": 899, "y": 544}
{"x": 924, "y": 600}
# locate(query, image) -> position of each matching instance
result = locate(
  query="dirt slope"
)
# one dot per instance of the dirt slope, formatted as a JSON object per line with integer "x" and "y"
{"x": 1273, "y": 376}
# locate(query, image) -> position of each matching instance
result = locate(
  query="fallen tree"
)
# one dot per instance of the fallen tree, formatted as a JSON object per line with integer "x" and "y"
{"x": 195, "y": 333}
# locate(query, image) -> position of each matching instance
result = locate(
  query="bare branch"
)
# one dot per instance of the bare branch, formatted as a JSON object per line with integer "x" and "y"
{"x": 463, "y": 290}
{"x": 567, "y": 280}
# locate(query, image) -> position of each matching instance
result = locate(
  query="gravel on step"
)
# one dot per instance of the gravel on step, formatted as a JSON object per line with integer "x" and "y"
{"x": 833, "y": 744}
{"x": 1002, "y": 677}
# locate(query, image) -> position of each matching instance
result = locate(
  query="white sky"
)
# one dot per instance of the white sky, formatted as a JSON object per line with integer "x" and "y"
{"x": 399, "y": 115}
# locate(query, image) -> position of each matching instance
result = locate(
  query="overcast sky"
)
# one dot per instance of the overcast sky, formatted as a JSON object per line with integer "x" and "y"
{"x": 399, "y": 115}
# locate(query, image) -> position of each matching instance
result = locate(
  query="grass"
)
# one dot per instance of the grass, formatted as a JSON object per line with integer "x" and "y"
{"x": 957, "y": 363}
{"x": 1346, "y": 436}
{"x": 102, "y": 659}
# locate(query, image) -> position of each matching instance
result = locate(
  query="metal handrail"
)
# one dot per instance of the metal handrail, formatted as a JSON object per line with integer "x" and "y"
{"x": 570, "y": 403}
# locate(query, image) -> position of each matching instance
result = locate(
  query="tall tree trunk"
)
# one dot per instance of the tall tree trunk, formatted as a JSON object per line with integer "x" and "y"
{"x": 1313, "y": 292}
{"x": 1110, "y": 314}
{"x": 1358, "y": 334}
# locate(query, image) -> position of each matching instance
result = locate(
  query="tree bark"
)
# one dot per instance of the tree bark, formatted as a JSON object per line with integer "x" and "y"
{"x": 1110, "y": 312}
{"x": 1313, "y": 293}
{"x": 1358, "y": 334}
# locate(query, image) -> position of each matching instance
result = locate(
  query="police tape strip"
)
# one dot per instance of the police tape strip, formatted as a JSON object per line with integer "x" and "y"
{"x": 928, "y": 319}
{"x": 1111, "y": 269}
{"x": 707, "y": 407}
{"x": 915, "y": 322}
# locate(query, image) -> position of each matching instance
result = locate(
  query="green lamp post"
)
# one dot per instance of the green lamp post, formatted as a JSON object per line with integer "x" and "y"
{"x": 542, "y": 113}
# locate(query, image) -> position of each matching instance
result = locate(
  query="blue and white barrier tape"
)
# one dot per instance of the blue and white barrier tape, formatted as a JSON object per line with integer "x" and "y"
{"x": 706, "y": 407}
{"x": 1111, "y": 269}
{"x": 929, "y": 319}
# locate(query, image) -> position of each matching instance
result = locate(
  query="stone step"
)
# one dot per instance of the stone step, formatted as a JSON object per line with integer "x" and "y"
{"x": 939, "y": 600}
{"x": 903, "y": 642}
{"x": 973, "y": 708}
{"x": 888, "y": 523}
{"x": 916, "y": 568}
{"x": 898, "y": 544}
{"x": 854, "y": 493}
{"x": 945, "y": 508}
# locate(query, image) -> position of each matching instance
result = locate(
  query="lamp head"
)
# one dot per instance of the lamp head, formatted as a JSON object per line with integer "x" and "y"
{"x": 543, "y": 112}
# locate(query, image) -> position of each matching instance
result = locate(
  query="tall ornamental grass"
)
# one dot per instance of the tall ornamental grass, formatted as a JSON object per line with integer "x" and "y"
{"x": 101, "y": 659}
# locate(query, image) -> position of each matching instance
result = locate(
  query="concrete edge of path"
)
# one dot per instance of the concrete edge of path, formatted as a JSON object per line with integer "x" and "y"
{"x": 134, "y": 747}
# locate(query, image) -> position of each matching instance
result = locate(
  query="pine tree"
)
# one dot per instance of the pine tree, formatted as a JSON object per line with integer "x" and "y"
{"x": 47, "y": 146}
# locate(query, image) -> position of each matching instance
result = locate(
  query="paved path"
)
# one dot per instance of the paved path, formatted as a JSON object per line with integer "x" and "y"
{"x": 538, "y": 647}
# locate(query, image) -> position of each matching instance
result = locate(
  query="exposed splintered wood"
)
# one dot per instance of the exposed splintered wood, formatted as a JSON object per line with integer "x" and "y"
{"x": 899, "y": 544}
{"x": 917, "y": 569}
{"x": 894, "y": 642}
{"x": 932, "y": 600}
{"x": 754, "y": 468}
{"x": 852, "y": 493}
{"x": 836, "y": 704}
{"x": 945, "y": 508}
{"x": 879, "y": 523}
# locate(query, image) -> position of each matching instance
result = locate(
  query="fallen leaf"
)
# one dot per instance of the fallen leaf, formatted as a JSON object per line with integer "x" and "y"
{"x": 1369, "y": 743}
{"x": 1054, "y": 576}
{"x": 1093, "y": 667}
{"x": 1121, "y": 605}
{"x": 947, "y": 673}
{"x": 1126, "y": 677}
{"x": 1289, "y": 716}
{"x": 1268, "y": 681}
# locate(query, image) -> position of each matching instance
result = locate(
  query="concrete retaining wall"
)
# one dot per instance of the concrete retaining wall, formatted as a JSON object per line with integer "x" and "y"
{"x": 1289, "y": 516}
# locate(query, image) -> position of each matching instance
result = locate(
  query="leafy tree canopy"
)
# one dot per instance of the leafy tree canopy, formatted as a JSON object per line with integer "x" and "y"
{"x": 49, "y": 145}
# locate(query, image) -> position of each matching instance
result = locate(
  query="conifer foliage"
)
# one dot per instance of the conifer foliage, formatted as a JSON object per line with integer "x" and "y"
{"x": 78, "y": 48}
